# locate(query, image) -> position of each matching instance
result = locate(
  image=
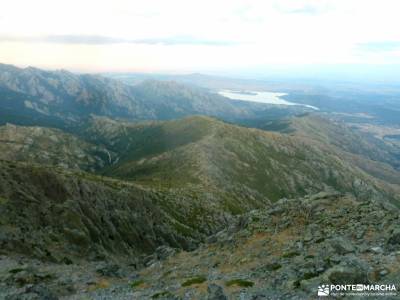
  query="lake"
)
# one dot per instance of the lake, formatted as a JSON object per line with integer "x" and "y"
{"x": 260, "y": 97}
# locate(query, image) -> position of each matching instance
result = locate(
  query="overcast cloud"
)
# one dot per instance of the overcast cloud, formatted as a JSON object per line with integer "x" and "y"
{"x": 188, "y": 35}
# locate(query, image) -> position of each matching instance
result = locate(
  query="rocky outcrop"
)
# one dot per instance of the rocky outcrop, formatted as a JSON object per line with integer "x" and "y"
{"x": 63, "y": 217}
{"x": 287, "y": 251}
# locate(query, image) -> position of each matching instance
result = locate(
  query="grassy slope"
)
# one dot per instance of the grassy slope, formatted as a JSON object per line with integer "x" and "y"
{"x": 231, "y": 161}
{"x": 364, "y": 151}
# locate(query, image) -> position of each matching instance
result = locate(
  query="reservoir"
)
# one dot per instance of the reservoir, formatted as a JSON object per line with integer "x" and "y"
{"x": 260, "y": 97}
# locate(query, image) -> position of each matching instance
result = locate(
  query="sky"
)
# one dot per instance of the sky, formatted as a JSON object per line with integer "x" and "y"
{"x": 196, "y": 36}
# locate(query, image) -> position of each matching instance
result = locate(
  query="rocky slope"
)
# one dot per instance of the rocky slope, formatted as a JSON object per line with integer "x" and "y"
{"x": 62, "y": 216}
{"x": 284, "y": 251}
{"x": 50, "y": 147}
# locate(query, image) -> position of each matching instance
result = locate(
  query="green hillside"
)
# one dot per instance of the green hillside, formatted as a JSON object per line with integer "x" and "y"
{"x": 233, "y": 160}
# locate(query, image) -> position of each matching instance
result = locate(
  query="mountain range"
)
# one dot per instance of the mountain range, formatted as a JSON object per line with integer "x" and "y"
{"x": 104, "y": 179}
{"x": 33, "y": 96}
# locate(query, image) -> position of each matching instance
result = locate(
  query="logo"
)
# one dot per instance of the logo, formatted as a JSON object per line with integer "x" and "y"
{"x": 339, "y": 290}
{"x": 323, "y": 290}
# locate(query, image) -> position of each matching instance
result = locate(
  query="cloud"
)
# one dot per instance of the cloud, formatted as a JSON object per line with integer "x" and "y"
{"x": 185, "y": 35}
{"x": 380, "y": 46}
{"x": 306, "y": 10}
{"x": 311, "y": 8}
{"x": 106, "y": 40}
{"x": 182, "y": 40}
{"x": 81, "y": 39}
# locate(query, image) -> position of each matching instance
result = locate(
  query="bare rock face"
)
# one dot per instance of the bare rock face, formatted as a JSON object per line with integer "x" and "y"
{"x": 59, "y": 217}
{"x": 271, "y": 256}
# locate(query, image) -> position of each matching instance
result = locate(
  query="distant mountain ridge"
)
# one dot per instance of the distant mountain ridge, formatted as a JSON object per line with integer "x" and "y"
{"x": 32, "y": 95}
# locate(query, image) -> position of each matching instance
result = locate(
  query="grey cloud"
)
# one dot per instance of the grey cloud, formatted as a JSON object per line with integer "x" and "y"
{"x": 104, "y": 40}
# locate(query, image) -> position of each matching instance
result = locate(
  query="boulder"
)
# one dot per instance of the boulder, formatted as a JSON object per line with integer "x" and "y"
{"x": 394, "y": 238}
{"x": 351, "y": 271}
{"x": 109, "y": 270}
{"x": 342, "y": 246}
{"x": 164, "y": 252}
{"x": 215, "y": 292}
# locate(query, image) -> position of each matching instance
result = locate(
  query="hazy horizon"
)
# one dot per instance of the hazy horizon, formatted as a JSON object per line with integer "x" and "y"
{"x": 360, "y": 73}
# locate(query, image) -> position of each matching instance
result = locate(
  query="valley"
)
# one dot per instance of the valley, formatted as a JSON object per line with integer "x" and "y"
{"x": 168, "y": 190}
